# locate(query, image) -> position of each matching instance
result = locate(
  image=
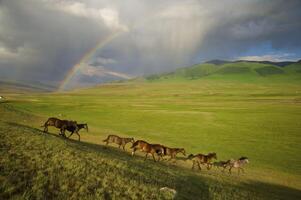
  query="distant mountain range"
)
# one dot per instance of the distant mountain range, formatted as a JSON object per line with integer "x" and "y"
{"x": 240, "y": 69}
{"x": 24, "y": 86}
{"x": 216, "y": 69}
{"x": 280, "y": 64}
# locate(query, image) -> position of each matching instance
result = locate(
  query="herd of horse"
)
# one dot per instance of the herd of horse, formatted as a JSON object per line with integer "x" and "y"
{"x": 156, "y": 150}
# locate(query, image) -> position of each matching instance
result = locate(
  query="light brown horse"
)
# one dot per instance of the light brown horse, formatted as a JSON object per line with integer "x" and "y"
{"x": 238, "y": 164}
{"x": 148, "y": 148}
{"x": 60, "y": 124}
{"x": 172, "y": 152}
{"x": 118, "y": 140}
{"x": 202, "y": 159}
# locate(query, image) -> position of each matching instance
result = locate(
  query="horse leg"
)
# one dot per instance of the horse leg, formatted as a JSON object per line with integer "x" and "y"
{"x": 230, "y": 170}
{"x": 133, "y": 152}
{"x": 45, "y": 129}
{"x": 199, "y": 165}
{"x": 63, "y": 132}
{"x": 242, "y": 170}
{"x": 193, "y": 165}
{"x": 209, "y": 166}
{"x": 71, "y": 134}
{"x": 223, "y": 169}
{"x": 154, "y": 157}
{"x": 146, "y": 156}
{"x": 78, "y": 136}
{"x": 123, "y": 147}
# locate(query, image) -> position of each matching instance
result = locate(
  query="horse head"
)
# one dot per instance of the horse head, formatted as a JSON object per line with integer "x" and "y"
{"x": 182, "y": 150}
{"x": 213, "y": 155}
{"x": 86, "y": 127}
{"x": 243, "y": 158}
{"x": 190, "y": 156}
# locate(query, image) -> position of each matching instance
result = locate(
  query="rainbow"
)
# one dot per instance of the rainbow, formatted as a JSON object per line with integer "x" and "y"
{"x": 81, "y": 63}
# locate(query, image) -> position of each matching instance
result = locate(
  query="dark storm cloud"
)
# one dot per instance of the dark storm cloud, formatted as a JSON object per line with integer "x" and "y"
{"x": 43, "y": 42}
{"x": 43, "y": 39}
{"x": 274, "y": 22}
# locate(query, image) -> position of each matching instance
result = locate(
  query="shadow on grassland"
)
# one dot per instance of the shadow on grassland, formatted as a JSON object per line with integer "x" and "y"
{"x": 188, "y": 184}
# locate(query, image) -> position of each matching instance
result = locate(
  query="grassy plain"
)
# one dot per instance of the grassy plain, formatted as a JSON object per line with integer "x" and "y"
{"x": 260, "y": 120}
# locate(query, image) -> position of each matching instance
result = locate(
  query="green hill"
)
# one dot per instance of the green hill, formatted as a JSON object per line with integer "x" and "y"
{"x": 237, "y": 70}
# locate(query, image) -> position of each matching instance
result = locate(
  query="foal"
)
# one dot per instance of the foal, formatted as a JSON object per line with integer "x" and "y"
{"x": 238, "y": 164}
{"x": 172, "y": 152}
{"x": 222, "y": 164}
{"x": 79, "y": 126}
{"x": 199, "y": 159}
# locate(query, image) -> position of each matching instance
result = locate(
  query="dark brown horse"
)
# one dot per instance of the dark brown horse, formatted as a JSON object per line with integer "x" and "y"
{"x": 172, "y": 152}
{"x": 118, "y": 140}
{"x": 222, "y": 164}
{"x": 148, "y": 148}
{"x": 60, "y": 124}
{"x": 72, "y": 129}
{"x": 202, "y": 159}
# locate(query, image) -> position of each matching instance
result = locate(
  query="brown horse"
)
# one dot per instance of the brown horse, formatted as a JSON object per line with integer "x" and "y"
{"x": 118, "y": 140}
{"x": 172, "y": 152}
{"x": 202, "y": 159}
{"x": 148, "y": 148}
{"x": 60, "y": 124}
{"x": 72, "y": 129}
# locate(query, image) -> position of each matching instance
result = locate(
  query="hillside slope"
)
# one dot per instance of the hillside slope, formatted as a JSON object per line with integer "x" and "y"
{"x": 36, "y": 165}
{"x": 238, "y": 70}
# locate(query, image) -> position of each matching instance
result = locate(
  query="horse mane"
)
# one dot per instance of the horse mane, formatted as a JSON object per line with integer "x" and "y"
{"x": 243, "y": 158}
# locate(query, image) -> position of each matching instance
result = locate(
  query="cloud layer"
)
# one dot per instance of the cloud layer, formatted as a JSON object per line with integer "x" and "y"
{"x": 43, "y": 39}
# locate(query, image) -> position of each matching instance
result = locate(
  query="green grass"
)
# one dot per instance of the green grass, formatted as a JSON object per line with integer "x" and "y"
{"x": 260, "y": 120}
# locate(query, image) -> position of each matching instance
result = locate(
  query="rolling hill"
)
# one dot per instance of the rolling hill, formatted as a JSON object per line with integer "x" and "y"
{"x": 236, "y": 70}
{"x": 8, "y": 86}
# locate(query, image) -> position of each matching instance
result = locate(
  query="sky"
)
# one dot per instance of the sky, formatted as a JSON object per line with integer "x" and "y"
{"x": 43, "y": 40}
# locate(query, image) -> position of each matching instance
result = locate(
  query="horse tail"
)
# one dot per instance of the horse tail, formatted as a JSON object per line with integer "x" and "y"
{"x": 164, "y": 150}
{"x": 45, "y": 124}
{"x": 107, "y": 140}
